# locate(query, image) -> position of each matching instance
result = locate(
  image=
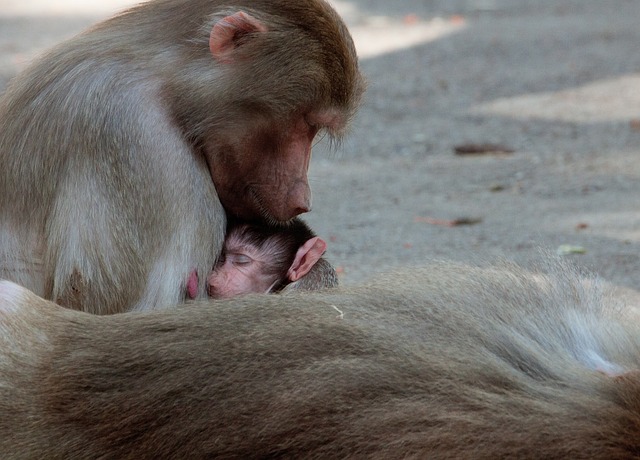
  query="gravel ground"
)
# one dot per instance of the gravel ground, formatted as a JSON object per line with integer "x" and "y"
{"x": 556, "y": 82}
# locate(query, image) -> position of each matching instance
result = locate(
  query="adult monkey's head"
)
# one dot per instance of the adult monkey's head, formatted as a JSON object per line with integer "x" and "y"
{"x": 275, "y": 75}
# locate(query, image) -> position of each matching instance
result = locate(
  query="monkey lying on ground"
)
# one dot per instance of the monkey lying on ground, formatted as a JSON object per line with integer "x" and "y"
{"x": 260, "y": 258}
{"x": 449, "y": 362}
{"x": 120, "y": 147}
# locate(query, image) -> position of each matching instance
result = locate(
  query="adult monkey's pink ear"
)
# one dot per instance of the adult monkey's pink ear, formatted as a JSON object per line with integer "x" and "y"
{"x": 306, "y": 257}
{"x": 226, "y": 33}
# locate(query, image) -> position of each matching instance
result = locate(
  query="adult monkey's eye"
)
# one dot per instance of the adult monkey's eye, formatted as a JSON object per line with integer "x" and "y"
{"x": 308, "y": 119}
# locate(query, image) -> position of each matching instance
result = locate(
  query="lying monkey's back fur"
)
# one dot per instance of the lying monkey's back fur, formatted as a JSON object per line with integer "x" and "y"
{"x": 449, "y": 361}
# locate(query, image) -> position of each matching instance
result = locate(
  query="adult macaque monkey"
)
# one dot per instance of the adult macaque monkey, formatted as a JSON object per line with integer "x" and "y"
{"x": 259, "y": 258}
{"x": 449, "y": 362}
{"x": 119, "y": 146}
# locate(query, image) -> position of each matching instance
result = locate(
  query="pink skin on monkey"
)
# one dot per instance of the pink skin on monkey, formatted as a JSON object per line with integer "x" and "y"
{"x": 261, "y": 266}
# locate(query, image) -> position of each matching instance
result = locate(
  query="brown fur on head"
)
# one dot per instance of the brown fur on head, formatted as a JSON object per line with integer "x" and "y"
{"x": 292, "y": 73}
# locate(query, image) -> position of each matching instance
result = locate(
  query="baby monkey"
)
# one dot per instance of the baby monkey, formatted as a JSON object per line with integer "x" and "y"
{"x": 258, "y": 258}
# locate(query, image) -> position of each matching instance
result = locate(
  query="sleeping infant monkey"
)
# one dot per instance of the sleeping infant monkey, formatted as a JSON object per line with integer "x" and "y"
{"x": 257, "y": 258}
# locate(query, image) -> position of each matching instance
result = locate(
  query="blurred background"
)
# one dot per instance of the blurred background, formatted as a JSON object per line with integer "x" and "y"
{"x": 491, "y": 129}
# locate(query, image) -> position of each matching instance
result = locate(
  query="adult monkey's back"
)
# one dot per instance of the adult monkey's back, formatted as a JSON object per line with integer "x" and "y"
{"x": 119, "y": 146}
{"x": 447, "y": 362}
